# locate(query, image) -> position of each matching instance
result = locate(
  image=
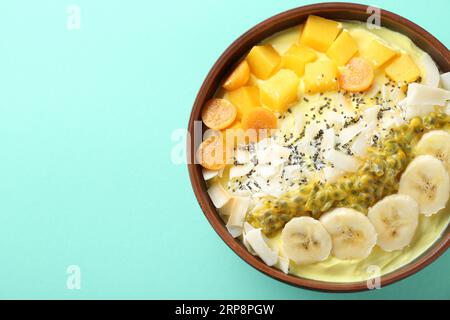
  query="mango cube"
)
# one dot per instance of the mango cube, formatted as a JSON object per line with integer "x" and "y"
{"x": 377, "y": 53}
{"x": 280, "y": 91}
{"x": 343, "y": 48}
{"x": 263, "y": 61}
{"x": 297, "y": 57}
{"x": 403, "y": 70}
{"x": 319, "y": 33}
{"x": 244, "y": 99}
{"x": 321, "y": 76}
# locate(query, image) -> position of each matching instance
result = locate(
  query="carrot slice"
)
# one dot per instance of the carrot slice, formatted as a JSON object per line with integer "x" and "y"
{"x": 238, "y": 77}
{"x": 218, "y": 114}
{"x": 259, "y": 119}
{"x": 357, "y": 76}
{"x": 212, "y": 154}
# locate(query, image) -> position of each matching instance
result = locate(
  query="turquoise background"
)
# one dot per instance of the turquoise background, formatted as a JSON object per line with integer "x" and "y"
{"x": 86, "y": 176}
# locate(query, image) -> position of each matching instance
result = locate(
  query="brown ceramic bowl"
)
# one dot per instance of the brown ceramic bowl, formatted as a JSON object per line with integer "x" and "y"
{"x": 342, "y": 11}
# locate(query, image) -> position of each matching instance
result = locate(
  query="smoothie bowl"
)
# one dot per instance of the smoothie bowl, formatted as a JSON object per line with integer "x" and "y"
{"x": 325, "y": 155}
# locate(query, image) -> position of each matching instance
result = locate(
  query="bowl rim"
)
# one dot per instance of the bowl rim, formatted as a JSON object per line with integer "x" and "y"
{"x": 229, "y": 58}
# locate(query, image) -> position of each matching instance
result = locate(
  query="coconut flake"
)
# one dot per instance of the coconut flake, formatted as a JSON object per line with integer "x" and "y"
{"x": 334, "y": 118}
{"x": 242, "y": 193}
{"x": 332, "y": 174}
{"x": 293, "y": 172}
{"x": 235, "y": 231}
{"x": 391, "y": 119}
{"x": 370, "y": 114}
{"x": 268, "y": 151}
{"x": 283, "y": 264}
{"x": 265, "y": 170}
{"x": 342, "y": 161}
{"x": 247, "y": 228}
{"x": 431, "y": 75}
{"x": 361, "y": 144}
{"x": 421, "y": 100}
{"x": 299, "y": 123}
{"x": 328, "y": 140}
{"x": 272, "y": 189}
{"x": 396, "y": 95}
{"x": 347, "y": 134}
{"x": 209, "y": 174}
{"x": 310, "y": 131}
{"x": 236, "y": 221}
{"x": 412, "y": 111}
{"x": 256, "y": 241}
{"x": 241, "y": 170}
{"x": 402, "y": 103}
{"x": 259, "y": 194}
{"x": 373, "y": 91}
{"x": 421, "y": 95}
{"x": 219, "y": 196}
{"x": 242, "y": 156}
{"x": 445, "y": 81}
{"x": 227, "y": 208}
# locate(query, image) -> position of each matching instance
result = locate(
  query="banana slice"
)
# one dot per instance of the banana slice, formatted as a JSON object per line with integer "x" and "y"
{"x": 305, "y": 241}
{"x": 352, "y": 233}
{"x": 426, "y": 181}
{"x": 437, "y": 144}
{"x": 395, "y": 219}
